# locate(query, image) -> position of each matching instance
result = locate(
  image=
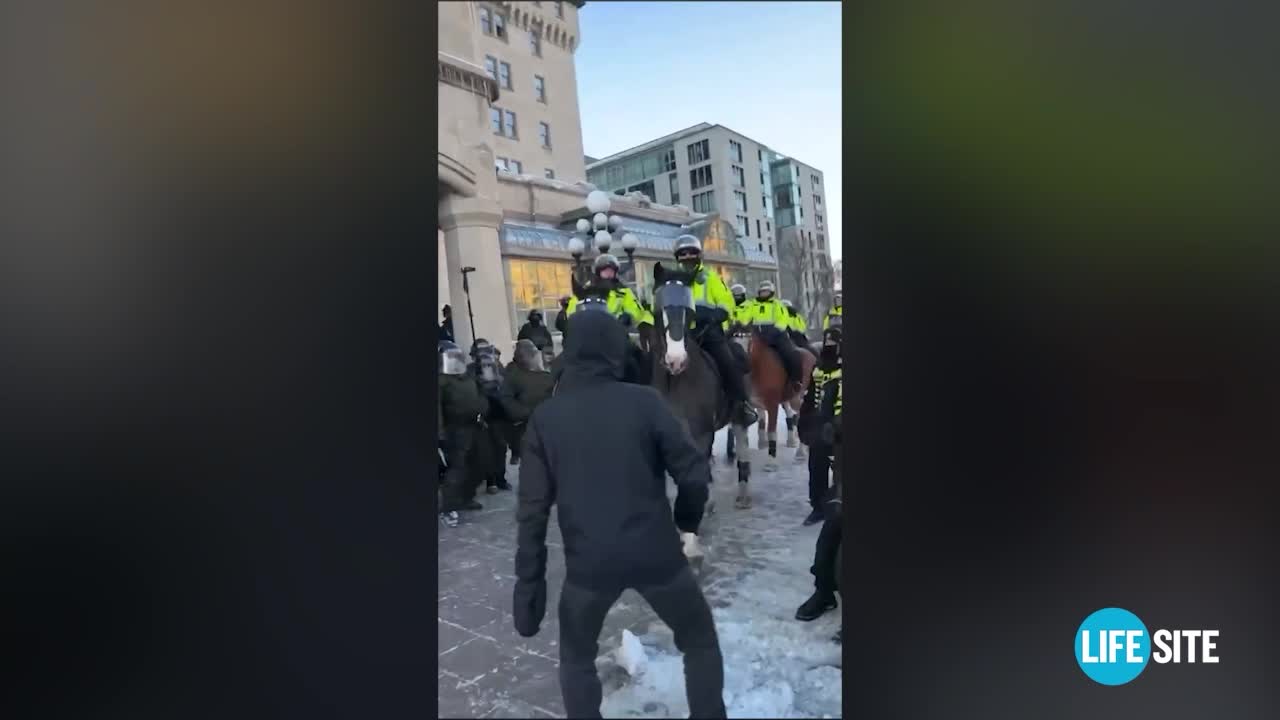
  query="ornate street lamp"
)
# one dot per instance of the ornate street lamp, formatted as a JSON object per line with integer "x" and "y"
{"x": 600, "y": 232}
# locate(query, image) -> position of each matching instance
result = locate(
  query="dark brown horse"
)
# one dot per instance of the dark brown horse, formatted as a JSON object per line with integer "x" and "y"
{"x": 769, "y": 391}
{"x": 684, "y": 373}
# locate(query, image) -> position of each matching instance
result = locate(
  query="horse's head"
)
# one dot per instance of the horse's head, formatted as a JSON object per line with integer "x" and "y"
{"x": 673, "y": 300}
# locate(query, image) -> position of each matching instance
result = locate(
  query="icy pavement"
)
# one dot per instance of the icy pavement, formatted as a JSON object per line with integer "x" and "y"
{"x": 755, "y": 575}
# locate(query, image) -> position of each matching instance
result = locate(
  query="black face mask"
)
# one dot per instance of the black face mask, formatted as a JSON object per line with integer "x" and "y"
{"x": 535, "y": 321}
{"x": 830, "y": 354}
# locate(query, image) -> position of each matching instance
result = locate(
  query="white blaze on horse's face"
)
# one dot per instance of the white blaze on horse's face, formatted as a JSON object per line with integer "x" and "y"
{"x": 676, "y": 356}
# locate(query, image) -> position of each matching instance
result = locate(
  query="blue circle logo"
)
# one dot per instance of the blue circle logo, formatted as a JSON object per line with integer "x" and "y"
{"x": 1112, "y": 646}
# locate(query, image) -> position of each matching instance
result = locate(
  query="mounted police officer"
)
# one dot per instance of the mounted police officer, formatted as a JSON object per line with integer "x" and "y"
{"x": 773, "y": 321}
{"x": 834, "y": 316}
{"x": 713, "y": 308}
{"x": 797, "y": 327}
{"x": 623, "y": 305}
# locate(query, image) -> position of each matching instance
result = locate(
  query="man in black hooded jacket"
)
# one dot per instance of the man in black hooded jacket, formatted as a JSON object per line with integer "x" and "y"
{"x": 599, "y": 448}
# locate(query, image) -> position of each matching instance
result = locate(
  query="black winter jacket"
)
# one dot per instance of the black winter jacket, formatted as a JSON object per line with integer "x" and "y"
{"x": 524, "y": 390}
{"x": 539, "y": 335}
{"x": 460, "y": 401}
{"x": 599, "y": 449}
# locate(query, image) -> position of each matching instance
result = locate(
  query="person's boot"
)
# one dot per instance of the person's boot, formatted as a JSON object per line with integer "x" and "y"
{"x": 491, "y": 489}
{"x": 449, "y": 519}
{"x": 814, "y": 517}
{"x": 817, "y": 604}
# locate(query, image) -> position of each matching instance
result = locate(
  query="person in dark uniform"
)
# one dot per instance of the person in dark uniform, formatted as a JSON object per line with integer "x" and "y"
{"x": 826, "y": 566}
{"x": 826, "y": 371}
{"x": 562, "y": 318}
{"x": 461, "y": 408}
{"x": 536, "y": 331}
{"x": 599, "y": 450}
{"x": 446, "y": 325}
{"x": 526, "y": 385}
{"x": 491, "y": 447}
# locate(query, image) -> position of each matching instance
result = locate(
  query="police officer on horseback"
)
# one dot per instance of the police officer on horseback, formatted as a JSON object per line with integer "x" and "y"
{"x": 772, "y": 320}
{"x": 714, "y": 306}
{"x": 797, "y": 326}
{"x": 622, "y": 304}
{"x": 835, "y": 316}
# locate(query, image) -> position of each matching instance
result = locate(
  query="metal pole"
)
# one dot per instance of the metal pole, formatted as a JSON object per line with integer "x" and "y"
{"x": 466, "y": 288}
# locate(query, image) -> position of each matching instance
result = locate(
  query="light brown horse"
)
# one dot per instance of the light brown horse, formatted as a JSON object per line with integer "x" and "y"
{"x": 767, "y": 381}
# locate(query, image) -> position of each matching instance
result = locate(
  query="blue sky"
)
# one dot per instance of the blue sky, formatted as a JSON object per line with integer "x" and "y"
{"x": 768, "y": 70}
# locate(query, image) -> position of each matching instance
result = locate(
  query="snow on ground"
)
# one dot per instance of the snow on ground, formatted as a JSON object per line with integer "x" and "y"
{"x": 775, "y": 665}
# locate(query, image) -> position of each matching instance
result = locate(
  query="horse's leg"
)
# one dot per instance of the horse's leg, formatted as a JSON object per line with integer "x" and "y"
{"x": 744, "y": 467}
{"x": 773, "y": 431}
{"x": 728, "y": 453}
{"x": 762, "y": 428}
{"x": 793, "y": 436}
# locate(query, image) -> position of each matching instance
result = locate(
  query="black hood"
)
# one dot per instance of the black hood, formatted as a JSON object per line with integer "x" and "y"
{"x": 595, "y": 348}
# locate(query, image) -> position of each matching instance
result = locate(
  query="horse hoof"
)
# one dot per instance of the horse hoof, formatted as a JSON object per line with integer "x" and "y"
{"x": 791, "y": 443}
{"x": 743, "y": 502}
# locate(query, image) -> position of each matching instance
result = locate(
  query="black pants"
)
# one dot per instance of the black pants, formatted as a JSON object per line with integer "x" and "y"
{"x": 714, "y": 342}
{"x": 458, "y": 486}
{"x": 798, "y": 338}
{"x": 680, "y": 604}
{"x": 819, "y": 469}
{"x": 826, "y": 575}
{"x": 515, "y": 435}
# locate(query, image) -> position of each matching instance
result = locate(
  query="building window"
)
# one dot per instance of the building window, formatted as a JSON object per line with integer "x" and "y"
{"x": 817, "y": 220}
{"x": 814, "y": 179}
{"x": 537, "y": 285}
{"x": 504, "y": 75}
{"x": 644, "y": 188}
{"x": 801, "y": 212}
{"x": 700, "y": 177}
{"x": 509, "y": 124}
{"x": 771, "y": 251}
{"x": 740, "y": 200}
{"x": 544, "y": 134}
{"x": 516, "y": 167}
{"x": 744, "y": 226}
{"x": 674, "y": 180}
{"x": 540, "y": 88}
{"x": 501, "y": 163}
{"x": 758, "y": 233}
{"x": 768, "y": 226}
{"x": 764, "y": 203}
{"x": 559, "y": 9}
{"x": 759, "y": 155}
{"x": 491, "y": 66}
{"x": 817, "y": 201}
{"x": 704, "y": 202}
{"x": 499, "y": 26}
{"x": 486, "y": 25}
{"x": 760, "y": 247}
{"x": 549, "y": 174}
{"x": 535, "y": 43}
{"x": 699, "y": 152}
{"x": 669, "y": 160}
{"x": 735, "y": 151}
{"x": 495, "y": 120}
{"x": 739, "y": 178}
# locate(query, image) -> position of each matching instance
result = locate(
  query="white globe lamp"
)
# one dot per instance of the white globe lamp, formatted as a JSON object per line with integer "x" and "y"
{"x": 598, "y": 201}
{"x": 584, "y": 226}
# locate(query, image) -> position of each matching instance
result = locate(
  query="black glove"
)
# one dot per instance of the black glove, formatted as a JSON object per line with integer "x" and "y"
{"x": 703, "y": 315}
{"x": 625, "y": 319}
{"x": 529, "y": 606}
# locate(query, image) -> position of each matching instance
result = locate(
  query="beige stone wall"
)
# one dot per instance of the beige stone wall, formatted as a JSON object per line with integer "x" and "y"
{"x": 560, "y": 39}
